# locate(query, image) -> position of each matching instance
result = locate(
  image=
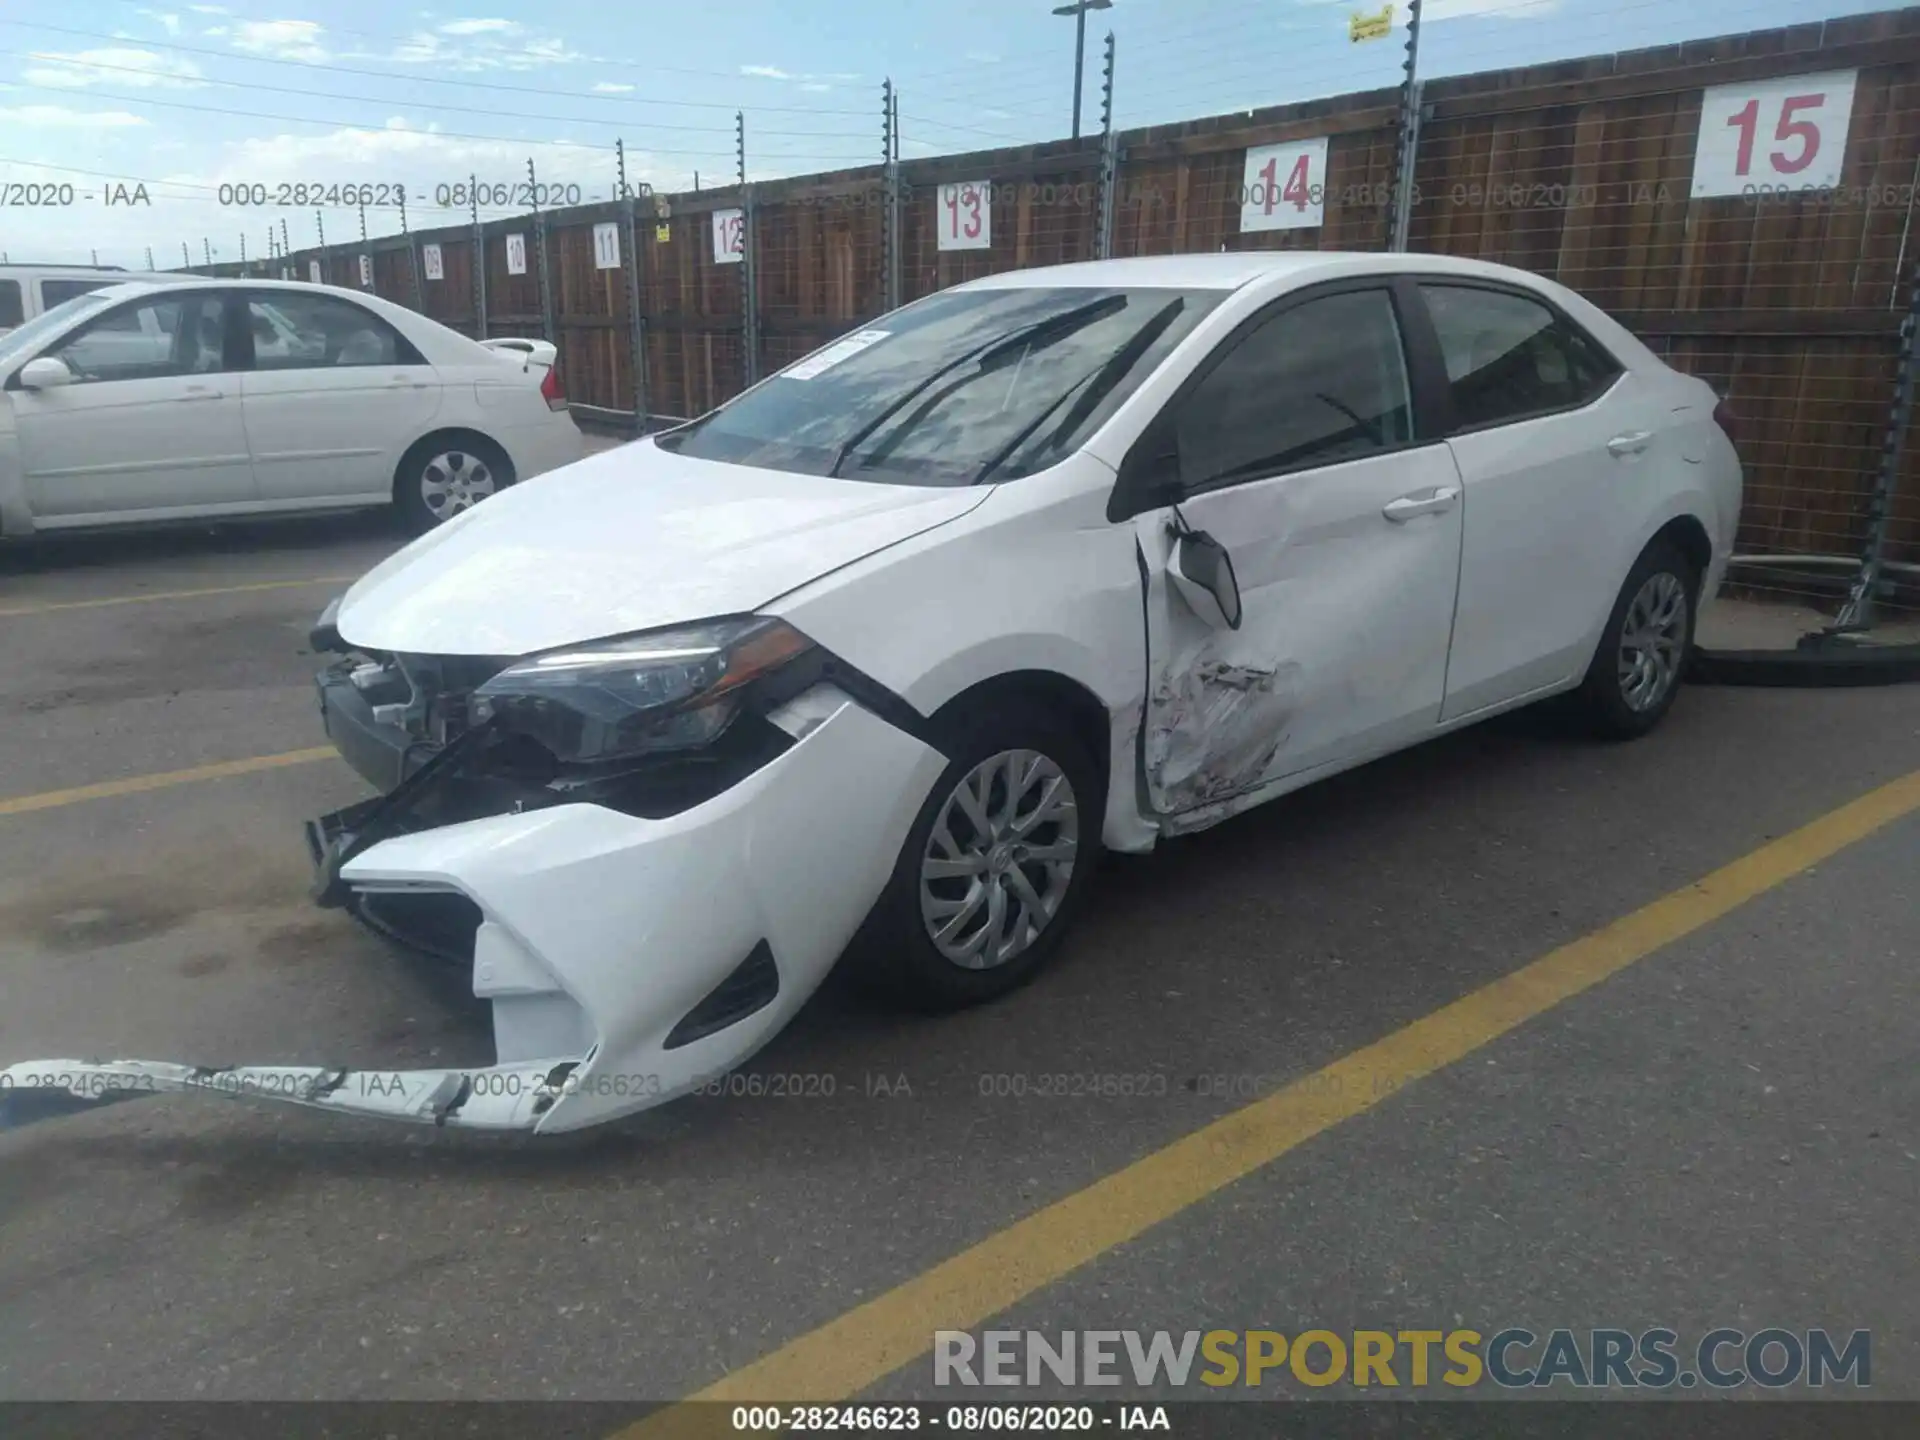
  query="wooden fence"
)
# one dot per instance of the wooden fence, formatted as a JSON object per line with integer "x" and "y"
{"x": 1580, "y": 170}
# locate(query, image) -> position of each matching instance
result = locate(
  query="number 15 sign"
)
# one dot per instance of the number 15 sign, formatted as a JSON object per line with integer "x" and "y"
{"x": 1771, "y": 135}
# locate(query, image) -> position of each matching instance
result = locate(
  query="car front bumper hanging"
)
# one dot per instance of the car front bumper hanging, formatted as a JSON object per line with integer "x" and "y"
{"x": 626, "y": 959}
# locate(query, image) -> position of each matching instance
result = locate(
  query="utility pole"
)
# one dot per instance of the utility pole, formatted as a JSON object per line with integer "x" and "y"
{"x": 1078, "y": 9}
{"x": 96, "y": 258}
{"x": 243, "y": 254}
{"x": 326, "y": 259}
{"x": 749, "y": 262}
{"x": 206, "y": 245}
{"x": 364, "y": 260}
{"x": 285, "y": 248}
{"x": 149, "y": 257}
{"x": 186, "y": 260}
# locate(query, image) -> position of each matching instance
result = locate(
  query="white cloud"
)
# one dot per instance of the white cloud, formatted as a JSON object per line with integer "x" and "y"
{"x": 816, "y": 87}
{"x": 766, "y": 72}
{"x": 607, "y": 87}
{"x": 982, "y": 57}
{"x": 112, "y": 66}
{"x": 479, "y": 27}
{"x": 209, "y": 9}
{"x": 280, "y": 39}
{"x": 59, "y": 117}
{"x": 166, "y": 20}
{"x": 215, "y": 31}
{"x": 432, "y": 47}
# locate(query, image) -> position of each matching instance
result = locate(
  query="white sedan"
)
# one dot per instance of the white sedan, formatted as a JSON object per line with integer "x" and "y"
{"x": 195, "y": 399}
{"x": 884, "y": 653}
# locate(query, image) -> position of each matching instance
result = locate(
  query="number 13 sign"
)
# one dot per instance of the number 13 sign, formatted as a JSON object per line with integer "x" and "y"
{"x": 1774, "y": 134}
{"x": 963, "y": 216}
{"x": 1285, "y": 186}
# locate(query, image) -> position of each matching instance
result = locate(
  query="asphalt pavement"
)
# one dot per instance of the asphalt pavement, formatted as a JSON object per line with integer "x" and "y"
{"x": 1723, "y": 1133}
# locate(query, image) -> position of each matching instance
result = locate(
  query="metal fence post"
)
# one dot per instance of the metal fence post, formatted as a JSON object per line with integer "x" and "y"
{"x": 749, "y": 256}
{"x": 413, "y": 257}
{"x": 890, "y": 185}
{"x": 636, "y": 311}
{"x": 1408, "y": 157}
{"x": 1857, "y": 613}
{"x": 540, "y": 254}
{"x": 479, "y": 259}
{"x": 1109, "y": 160}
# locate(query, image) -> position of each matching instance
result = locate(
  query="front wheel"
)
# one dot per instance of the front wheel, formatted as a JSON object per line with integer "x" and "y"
{"x": 1636, "y": 672}
{"x": 446, "y": 474}
{"x": 994, "y": 868}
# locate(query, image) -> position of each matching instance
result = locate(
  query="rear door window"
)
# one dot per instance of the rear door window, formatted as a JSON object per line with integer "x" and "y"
{"x": 1510, "y": 358}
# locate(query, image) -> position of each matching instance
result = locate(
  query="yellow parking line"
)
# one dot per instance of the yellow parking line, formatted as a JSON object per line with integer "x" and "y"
{"x": 11, "y": 610}
{"x": 137, "y": 784}
{"x": 845, "y": 1356}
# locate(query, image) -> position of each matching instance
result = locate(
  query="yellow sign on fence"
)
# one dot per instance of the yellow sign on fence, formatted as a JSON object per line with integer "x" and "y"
{"x": 1361, "y": 26}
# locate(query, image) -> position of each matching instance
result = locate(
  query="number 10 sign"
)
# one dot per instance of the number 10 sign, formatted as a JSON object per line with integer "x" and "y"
{"x": 1285, "y": 186}
{"x": 1772, "y": 135}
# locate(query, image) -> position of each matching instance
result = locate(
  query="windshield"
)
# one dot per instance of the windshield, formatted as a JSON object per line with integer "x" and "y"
{"x": 48, "y": 323}
{"x": 960, "y": 388}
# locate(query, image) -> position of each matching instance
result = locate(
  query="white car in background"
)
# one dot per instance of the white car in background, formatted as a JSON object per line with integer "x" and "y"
{"x": 888, "y": 649}
{"x": 194, "y": 399}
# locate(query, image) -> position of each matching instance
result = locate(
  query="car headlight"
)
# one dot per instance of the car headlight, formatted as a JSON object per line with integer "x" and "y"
{"x": 635, "y": 695}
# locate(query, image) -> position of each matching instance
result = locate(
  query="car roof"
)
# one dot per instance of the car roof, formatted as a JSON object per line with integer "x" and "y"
{"x": 1229, "y": 270}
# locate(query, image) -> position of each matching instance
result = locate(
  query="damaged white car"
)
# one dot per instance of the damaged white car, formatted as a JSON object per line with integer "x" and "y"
{"x": 879, "y": 657}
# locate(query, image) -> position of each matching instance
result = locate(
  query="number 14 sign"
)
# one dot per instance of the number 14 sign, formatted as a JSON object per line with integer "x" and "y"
{"x": 1771, "y": 135}
{"x": 1285, "y": 186}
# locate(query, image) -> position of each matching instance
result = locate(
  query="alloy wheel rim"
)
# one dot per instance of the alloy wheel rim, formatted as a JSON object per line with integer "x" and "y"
{"x": 999, "y": 860}
{"x": 1653, "y": 639}
{"x": 454, "y": 480}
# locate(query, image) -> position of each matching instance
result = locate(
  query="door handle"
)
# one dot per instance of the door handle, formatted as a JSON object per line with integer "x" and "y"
{"x": 1408, "y": 506}
{"x": 1631, "y": 444}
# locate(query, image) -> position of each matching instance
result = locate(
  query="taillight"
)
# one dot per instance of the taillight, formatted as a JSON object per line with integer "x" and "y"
{"x": 550, "y": 388}
{"x": 1723, "y": 417}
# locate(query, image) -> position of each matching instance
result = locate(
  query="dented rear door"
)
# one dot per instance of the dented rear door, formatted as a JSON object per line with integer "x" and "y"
{"x": 1347, "y": 566}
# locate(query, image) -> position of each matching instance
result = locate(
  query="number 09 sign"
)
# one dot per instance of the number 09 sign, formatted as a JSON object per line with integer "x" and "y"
{"x": 1774, "y": 135}
{"x": 1285, "y": 186}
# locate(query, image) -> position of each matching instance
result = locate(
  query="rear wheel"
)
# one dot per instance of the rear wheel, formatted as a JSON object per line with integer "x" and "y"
{"x": 446, "y": 474}
{"x": 1637, "y": 670}
{"x": 995, "y": 866}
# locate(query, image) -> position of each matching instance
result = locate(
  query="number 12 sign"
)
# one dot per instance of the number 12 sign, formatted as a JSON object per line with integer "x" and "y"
{"x": 963, "y": 216}
{"x": 1285, "y": 186}
{"x": 1774, "y": 134}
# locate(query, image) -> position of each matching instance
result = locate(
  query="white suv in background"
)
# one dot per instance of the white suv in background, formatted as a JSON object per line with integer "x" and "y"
{"x": 30, "y": 290}
{"x": 191, "y": 398}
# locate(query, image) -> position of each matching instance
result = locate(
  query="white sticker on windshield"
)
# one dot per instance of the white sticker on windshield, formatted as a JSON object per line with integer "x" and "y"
{"x": 831, "y": 356}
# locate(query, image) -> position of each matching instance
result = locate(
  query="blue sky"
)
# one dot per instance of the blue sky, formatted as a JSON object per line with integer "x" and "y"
{"x": 186, "y": 97}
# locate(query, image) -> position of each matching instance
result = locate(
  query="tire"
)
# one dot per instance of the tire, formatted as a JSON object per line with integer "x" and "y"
{"x": 462, "y": 469}
{"x": 897, "y": 952}
{"x": 1623, "y": 698}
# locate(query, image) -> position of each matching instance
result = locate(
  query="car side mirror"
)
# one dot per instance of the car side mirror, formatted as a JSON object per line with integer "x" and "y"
{"x": 46, "y": 373}
{"x": 1149, "y": 476}
{"x": 1202, "y": 572}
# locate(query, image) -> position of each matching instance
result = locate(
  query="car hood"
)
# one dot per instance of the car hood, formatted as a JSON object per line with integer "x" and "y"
{"x": 627, "y": 540}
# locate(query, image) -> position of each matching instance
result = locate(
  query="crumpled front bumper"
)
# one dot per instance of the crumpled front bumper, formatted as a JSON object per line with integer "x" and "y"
{"x": 626, "y": 960}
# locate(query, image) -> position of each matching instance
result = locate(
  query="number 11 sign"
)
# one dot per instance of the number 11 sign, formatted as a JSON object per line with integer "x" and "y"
{"x": 1285, "y": 186}
{"x": 1773, "y": 135}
